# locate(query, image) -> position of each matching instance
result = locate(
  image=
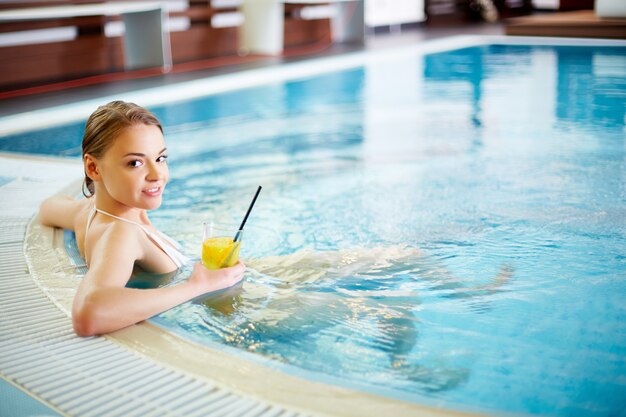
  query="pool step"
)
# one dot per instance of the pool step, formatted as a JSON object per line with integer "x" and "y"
{"x": 89, "y": 377}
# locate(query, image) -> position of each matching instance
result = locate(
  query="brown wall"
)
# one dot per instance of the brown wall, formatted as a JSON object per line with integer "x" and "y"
{"x": 576, "y": 4}
{"x": 91, "y": 53}
{"x": 451, "y": 12}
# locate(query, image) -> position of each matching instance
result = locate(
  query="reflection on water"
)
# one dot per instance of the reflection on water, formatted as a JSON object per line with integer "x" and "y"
{"x": 364, "y": 301}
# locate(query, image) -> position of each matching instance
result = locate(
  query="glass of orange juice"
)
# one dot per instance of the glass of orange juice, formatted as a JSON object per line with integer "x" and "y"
{"x": 219, "y": 250}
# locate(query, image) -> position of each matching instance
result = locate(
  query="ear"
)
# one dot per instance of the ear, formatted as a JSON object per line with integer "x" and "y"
{"x": 91, "y": 167}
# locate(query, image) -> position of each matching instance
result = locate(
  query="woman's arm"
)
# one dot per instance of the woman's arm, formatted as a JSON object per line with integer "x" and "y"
{"x": 102, "y": 303}
{"x": 60, "y": 211}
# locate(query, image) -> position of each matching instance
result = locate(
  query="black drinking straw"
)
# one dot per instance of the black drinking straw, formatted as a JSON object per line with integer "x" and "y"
{"x": 258, "y": 190}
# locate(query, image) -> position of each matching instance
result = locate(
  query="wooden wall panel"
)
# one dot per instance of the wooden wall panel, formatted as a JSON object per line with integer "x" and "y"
{"x": 302, "y": 32}
{"x": 202, "y": 42}
{"x": 92, "y": 53}
{"x": 23, "y": 66}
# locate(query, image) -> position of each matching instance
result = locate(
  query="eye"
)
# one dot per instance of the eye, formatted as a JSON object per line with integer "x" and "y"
{"x": 162, "y": 158}
{"x": 135, "y": 163}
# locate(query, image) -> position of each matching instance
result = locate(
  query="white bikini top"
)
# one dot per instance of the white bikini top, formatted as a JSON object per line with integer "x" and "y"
{"x": 171, "y": 248}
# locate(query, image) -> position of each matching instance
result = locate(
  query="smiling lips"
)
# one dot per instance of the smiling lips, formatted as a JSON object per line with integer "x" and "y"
{"x": 153, "y": 192}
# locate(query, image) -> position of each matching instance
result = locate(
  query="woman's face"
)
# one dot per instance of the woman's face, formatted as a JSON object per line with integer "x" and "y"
{"x": 134, "y": 169}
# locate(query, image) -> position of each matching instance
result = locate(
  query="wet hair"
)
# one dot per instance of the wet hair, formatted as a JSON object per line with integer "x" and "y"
{"x": 105, "y": 125}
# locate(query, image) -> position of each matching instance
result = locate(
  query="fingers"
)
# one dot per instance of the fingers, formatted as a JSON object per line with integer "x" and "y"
{"x": 238, "y": 270}
{"x": 238, "y": 265}
{"x": 234, "y": 273}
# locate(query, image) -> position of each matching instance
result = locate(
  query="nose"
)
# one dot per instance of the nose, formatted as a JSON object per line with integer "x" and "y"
{"x": 155, "y": 172}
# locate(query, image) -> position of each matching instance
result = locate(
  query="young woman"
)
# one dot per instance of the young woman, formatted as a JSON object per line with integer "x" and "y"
{"x": 125, "y": 161}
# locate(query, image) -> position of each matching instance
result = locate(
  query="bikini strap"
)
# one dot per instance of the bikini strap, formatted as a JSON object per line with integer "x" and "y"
{"x": 145, "y": 229}
{"x": 90, "y": 216}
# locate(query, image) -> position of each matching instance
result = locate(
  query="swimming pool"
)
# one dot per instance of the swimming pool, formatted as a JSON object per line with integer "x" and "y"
{"x": 473, "y": 200}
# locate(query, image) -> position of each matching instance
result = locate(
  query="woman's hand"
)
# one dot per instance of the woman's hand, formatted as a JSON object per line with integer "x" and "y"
{"x": 213, "y": 280}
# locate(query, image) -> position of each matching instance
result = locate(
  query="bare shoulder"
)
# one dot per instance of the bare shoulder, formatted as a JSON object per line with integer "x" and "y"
{"x": 116, "y": 248}
{"x": 118, "y": 242}
{"x": 80, "y": 212}
{"x": 61, "y": 211}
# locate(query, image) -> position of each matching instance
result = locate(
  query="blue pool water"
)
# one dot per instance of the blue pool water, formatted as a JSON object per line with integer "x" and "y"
{"x": 447, "y": 229}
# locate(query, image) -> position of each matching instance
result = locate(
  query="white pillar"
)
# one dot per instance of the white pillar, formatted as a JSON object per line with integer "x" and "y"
{"x": 610, "y": 8}
{"x": 263, "y": 26}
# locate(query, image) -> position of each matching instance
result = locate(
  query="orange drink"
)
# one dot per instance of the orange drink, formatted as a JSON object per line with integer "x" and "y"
{"x": 220, "y": 252}
{"x": 218, "y": 248}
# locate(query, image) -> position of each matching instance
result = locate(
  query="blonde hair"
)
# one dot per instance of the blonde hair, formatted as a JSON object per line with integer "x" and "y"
{"x": 105, "y": 125}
